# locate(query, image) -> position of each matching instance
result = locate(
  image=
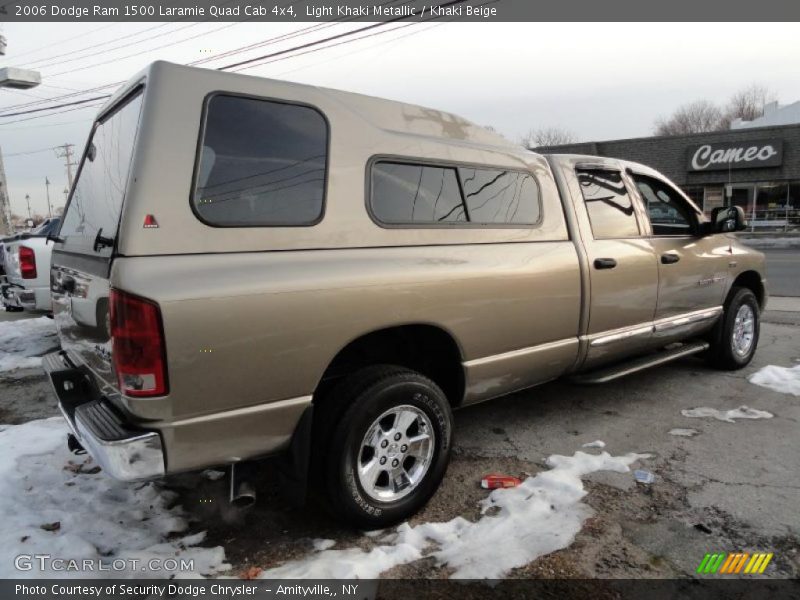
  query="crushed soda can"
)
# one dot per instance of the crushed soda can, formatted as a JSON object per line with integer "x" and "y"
{"x": 493, "y": 482}
{"x": 643, "y": 476}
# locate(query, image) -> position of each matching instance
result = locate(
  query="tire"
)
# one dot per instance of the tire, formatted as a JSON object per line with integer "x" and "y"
{"x": 394, "y": 405}
{"x": 730, "y": 349}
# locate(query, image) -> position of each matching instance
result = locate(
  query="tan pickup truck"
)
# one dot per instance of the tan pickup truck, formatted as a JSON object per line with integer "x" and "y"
{"x": 278, "y": 269}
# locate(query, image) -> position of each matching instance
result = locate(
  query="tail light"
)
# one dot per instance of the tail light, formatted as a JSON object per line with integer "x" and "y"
{"x": 27, "y": 262}
{"x": 139, "y": 352}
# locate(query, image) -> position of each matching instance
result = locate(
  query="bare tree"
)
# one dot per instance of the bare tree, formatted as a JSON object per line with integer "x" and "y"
{"x": 548, "y": 136}
{"x": 695, "y": 117}
{"x": 701, "y": 116}
{"x": 748, "y": 103}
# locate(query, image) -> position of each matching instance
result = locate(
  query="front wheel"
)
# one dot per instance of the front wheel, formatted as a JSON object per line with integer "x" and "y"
{"x": 736, "y": 336}
{"x": 389, "y": 441}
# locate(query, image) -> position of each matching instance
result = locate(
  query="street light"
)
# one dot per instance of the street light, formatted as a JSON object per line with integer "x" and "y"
{"x": 19, "y": 79}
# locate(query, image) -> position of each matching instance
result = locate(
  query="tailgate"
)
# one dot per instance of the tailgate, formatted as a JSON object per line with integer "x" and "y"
{"x": 82, "y": 259}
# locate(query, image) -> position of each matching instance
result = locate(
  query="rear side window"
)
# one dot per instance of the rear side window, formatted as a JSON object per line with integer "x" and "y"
{"x": 405, "y": 193}
{"x": 416, "y": 194}
{"x": 609, "y": 206}
{"x": 96, "y": 201}
{"x": 261, "y": 163}
{"x": 495, "y": 196}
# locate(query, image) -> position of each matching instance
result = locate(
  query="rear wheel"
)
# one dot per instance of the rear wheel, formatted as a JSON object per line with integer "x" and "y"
{"x": 736, "y": 336}
{"x": 386, "y": 434}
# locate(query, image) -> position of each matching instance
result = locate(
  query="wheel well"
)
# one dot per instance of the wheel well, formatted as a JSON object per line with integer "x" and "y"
{"x": 426, "y": 349}
{"x": 752, "y": 281}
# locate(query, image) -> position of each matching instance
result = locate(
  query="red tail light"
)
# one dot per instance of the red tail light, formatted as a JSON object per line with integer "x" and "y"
{"x": 27, "y": 262}
{"x": 139, "y": 353}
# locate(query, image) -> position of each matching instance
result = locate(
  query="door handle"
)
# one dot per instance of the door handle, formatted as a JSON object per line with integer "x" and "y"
{"x": 669, "y": 259}
{"x": 604, "y": 263}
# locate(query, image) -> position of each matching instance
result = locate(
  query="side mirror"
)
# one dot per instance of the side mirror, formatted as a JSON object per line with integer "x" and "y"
{"x": 725, "y": 219}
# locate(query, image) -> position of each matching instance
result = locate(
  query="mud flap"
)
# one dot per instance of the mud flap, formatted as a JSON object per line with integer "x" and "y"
{"x": 292, "y": 466}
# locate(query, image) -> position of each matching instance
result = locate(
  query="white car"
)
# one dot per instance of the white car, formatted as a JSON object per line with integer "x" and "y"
{"x": 26, "y": 259}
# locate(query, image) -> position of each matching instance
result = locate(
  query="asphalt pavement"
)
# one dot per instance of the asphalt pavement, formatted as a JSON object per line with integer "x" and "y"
{"x": 783, "y": 271}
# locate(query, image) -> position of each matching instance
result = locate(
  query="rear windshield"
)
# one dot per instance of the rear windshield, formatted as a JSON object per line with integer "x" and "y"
{"x": 94, "y": 207}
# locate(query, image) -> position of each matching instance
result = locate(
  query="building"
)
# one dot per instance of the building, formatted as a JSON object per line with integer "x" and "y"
{"x": 755, "y": 168}
{"x": 774, "y": 114}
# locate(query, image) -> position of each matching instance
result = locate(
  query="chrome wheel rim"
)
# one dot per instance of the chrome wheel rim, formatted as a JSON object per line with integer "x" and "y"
{"x": 396, "y": 453}
{"x": 744, "y": 327}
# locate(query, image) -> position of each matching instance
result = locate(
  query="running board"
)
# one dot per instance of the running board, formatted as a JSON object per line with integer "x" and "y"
{"x": 618, "y": 370}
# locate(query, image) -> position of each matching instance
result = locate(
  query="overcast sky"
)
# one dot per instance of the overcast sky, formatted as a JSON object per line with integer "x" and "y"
{"x": 601, "y": 81}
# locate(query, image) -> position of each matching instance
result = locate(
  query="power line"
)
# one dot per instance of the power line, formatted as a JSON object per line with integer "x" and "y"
{"x": 62, "y": 41}
{"x": 37, "y": 63}
{"x": 61, "y": 97}
{"x": 328, "y": 39}
{"x": 28, "y": 152}
{"x": 312, "y": 46}
{"x": 34, "y": 110}
{"x": 85, "y": 106}
{"x": 175, "y": 43}
{"x": 267, "y": 42}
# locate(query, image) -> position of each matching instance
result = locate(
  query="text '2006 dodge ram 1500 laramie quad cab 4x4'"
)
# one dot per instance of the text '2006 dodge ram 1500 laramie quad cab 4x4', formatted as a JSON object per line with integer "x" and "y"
{"x": 324, "y": 275}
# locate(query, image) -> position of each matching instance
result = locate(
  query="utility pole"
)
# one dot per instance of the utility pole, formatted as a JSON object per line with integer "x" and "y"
{"x": 28, "y": 200}
{"x": 66, "y": 153}
{"x": 5, "y": 203}
{"x": 49, "y": 206}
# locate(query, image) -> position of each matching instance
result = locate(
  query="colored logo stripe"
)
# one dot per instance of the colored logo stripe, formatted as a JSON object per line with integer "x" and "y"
{"x": 735, "y": 563}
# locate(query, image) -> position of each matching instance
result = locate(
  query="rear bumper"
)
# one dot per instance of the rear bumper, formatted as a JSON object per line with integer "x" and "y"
{"x": 124, "y": 452}
{"x": 17, "y": 296}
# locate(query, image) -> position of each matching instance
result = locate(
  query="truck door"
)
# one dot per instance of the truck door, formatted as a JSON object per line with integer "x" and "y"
{"x": 692, "y": 268}
{"x": 622, "y": 265}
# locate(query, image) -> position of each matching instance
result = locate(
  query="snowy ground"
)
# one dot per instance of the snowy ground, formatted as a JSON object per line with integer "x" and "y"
{"x": 58, "y": 504}
{"x": 721, "y": 453}
{"x": 23, "y": 342}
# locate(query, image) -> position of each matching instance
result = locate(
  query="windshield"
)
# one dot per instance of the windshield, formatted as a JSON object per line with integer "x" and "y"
{"x": 93, "y": 211}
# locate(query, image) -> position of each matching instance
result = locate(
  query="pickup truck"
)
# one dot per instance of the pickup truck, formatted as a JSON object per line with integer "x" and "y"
{"x": 26, "y": 261}
{"x": 324, "y": 276}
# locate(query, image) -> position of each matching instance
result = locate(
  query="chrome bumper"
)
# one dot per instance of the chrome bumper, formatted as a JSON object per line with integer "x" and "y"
{"x": 125, "y": 453}
{"x": 9, "y": 295}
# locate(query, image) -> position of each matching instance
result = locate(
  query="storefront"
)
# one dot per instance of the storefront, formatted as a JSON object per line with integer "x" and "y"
{"x": 757, "y": 169}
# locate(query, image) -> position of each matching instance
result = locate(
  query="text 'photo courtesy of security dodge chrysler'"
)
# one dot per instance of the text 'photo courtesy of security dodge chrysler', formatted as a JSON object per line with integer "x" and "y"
{"x": 250, "y": 268}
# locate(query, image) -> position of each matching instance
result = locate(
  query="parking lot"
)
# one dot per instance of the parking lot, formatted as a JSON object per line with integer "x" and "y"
{"x": 717, "y": 485}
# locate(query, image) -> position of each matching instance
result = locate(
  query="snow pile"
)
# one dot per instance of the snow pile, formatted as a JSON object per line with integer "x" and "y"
{"x": 781, "y": 379}
{"x": 517, "y": 525}
{"x": 53, "y": 506}
{"x": 681, "y": 432}
{"x": 729, "y": 416}
{"x": 23, "y": 342}
{"x": 595, "y": 444}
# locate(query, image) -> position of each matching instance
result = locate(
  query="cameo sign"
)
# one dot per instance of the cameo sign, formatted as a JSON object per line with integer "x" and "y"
{"x": 736, "y": 155}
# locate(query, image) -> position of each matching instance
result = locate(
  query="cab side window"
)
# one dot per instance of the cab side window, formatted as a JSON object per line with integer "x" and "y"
{"x": 669, "y": 213}
{"x": 610, "y": 209}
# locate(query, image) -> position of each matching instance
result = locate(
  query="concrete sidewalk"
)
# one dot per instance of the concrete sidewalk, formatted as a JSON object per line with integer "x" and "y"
{"x": 783, "y": 304}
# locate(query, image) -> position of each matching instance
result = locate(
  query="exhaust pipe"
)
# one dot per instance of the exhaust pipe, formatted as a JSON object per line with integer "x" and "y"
{"x": 242, "y": 493}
